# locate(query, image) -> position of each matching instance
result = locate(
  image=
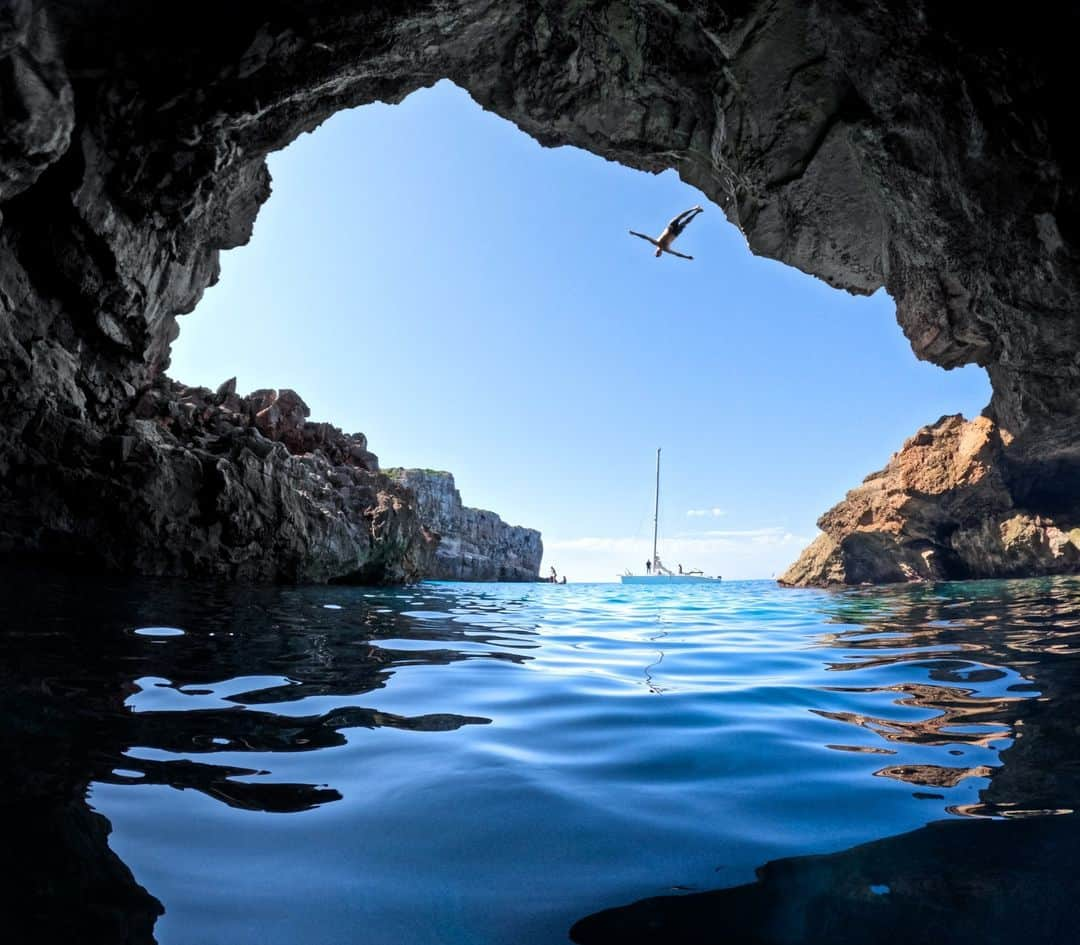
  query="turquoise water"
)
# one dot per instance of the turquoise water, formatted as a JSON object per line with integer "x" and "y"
{"x": 494, "y": 763}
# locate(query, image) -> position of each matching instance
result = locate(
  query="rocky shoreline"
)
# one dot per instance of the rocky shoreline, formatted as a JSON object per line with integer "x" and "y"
{"x": 961, "y": 499}
{"x": 216, "y": 485}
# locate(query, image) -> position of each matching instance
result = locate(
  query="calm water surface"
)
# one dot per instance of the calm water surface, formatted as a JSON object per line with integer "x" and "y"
{"x": 514, "y": 764}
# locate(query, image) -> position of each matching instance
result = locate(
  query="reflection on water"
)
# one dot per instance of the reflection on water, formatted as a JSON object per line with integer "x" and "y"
{"x": 491, "y": 763}
{"x": 81, "y": 677}
{"x": 999, "y": 657}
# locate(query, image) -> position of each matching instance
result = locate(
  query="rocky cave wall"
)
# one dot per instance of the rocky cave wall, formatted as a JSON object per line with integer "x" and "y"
{"x": 919, "y": 146}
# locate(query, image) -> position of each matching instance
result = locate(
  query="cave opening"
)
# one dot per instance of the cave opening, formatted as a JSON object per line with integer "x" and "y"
{"x": 428, "y": 274}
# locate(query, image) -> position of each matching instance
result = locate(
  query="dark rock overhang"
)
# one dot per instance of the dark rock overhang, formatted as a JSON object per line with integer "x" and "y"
{"x": 922, "y": 147}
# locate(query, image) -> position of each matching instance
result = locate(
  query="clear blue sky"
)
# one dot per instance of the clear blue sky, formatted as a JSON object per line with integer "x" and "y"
{"x": 427, "y": 274}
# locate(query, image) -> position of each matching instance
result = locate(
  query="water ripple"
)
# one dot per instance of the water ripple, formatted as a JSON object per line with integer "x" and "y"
{"x": 453, "y": 745}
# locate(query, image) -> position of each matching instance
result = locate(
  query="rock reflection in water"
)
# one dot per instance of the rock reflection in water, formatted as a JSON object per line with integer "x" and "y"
{"x": 1006, "y": 654}
{"x": 1012, "y": 875}
{"x": 70, "y": 715}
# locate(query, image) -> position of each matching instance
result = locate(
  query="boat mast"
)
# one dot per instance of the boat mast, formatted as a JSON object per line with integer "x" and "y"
{"x": 656, "y": 509}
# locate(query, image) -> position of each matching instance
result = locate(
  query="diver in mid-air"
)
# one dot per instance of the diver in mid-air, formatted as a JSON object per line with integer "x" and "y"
{"x": 671, "y": 231}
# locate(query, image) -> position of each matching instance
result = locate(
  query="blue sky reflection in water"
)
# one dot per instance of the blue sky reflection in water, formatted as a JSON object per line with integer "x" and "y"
{"x": 491, "y": 763}
{"x": 429, "y": 275}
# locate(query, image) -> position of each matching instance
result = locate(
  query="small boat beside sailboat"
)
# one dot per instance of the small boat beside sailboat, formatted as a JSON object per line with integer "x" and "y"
{"x": 655, "y": 571}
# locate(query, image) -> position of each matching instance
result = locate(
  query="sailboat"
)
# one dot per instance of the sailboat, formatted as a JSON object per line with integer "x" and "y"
{"x": 660, "y": 574}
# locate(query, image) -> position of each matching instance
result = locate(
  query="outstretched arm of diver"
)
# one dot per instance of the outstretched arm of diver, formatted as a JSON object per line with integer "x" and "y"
{"x": 644, "y": 237}
{"x": 680, "y": 255}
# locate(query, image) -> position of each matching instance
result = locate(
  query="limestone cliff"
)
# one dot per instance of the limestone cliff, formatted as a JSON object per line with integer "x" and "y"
{"x": 474, "y": 544}
{"x": 925, "y": 147}
{"x": 957, "y": 501}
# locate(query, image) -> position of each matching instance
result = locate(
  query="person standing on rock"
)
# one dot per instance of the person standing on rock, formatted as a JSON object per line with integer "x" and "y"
{"x": 671, "y": 231}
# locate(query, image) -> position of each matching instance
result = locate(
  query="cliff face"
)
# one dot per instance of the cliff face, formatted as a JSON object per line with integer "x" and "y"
{"x": 959, "y": 500}
{"x": 217, "y": 485}
{"x": 474, "y": 544}
{"x": 920, "y": 146}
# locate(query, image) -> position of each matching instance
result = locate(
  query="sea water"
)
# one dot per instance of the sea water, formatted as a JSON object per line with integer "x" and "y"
{"x": 467, "y": 763}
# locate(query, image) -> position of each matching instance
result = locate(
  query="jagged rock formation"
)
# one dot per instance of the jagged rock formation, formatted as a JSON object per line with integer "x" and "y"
{"x": 957, "y": 501}
{"x": 474, "y": 544}
{"x": 924, "y": 147}
{"x": 217, "y": 485}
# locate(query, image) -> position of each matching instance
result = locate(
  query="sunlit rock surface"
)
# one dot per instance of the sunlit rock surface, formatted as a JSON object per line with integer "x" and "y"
{"x": 474, "y": 544}
{"x": 911, "y": 145}
{"x": 961, "y": 499}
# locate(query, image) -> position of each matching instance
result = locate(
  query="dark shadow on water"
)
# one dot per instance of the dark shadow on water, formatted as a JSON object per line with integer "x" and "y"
{"x": 961, "y": 882}
{"x": 61, "y": 881}
{"x": 70, "y": 663}
{"x": 1009, "y": 871}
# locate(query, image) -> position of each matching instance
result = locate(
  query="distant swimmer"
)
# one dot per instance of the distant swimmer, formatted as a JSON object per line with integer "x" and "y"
{"x": 671, "y": 231}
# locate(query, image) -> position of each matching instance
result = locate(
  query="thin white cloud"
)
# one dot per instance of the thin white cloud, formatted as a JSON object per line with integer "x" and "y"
{"x": 769, "y": 533}
{"x": 714, "y": 512}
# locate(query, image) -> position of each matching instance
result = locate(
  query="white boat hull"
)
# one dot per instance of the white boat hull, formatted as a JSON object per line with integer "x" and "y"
{"x": 667, "y": 579}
